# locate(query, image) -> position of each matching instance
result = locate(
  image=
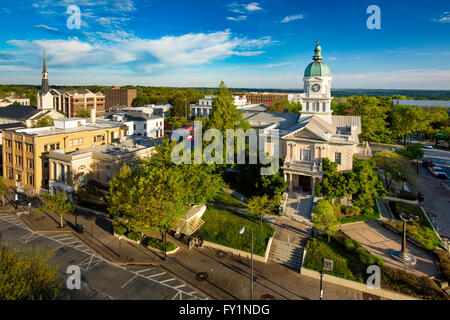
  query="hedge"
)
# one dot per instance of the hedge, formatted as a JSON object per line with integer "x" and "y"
{"x": 443, "y": 259}
{"x": 119, "y": 229}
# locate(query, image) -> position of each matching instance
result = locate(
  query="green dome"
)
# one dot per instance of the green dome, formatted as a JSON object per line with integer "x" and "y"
{"x": 317, "y": 68}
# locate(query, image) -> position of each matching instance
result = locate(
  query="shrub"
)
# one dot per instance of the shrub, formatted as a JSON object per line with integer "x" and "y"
{"x": 407, "y": 195}
{"x": 133, "y": 235}
{"x": 119, "y": 229}
{"x": 352, "y": 211}
{"x": 369, "y": 211}
{"x": 159, "y": 244}
{"x": 337, "y": 210}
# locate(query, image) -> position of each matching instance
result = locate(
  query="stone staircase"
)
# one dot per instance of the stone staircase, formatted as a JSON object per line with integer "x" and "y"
{"x": 299, "y": 207}
{"x": 288, "y": 254}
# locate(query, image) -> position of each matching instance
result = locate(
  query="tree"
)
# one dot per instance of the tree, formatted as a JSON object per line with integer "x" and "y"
{"x": 324, "y": 218}
{"x": 3, "y": 189}
{"x": 333, "y": 184}
{"x": 59, "y": 204}
{"x": 285, "y": 106}
{"x": 224, "y": 114}
{"x": 180, "y": 106}
{"x": 156, "y": 194}
{"x": 395, "y": 168}
{"x": 373, "y": 112}
{"x": 407, "y": 120}
{"x": 412, "y": 152}
{"x": 26, "y": 275}
{"x": 84, "y": 113}
{"x": 261, "y": 206}
{"x": 366, "y": 183}
{"x": 46, "y": 121}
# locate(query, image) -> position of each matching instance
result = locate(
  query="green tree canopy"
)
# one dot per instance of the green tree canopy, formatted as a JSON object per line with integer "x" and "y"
{"x": 45, "y": 121}
{"x": 324, "y": 218}
{"x": 261, "y": 206}
{"x": 59, "y": 204}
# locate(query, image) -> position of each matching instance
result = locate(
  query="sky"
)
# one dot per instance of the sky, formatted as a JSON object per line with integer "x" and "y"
{"x": 251, "y": 44}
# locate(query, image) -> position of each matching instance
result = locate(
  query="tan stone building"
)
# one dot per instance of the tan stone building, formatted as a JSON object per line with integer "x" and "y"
{"x": 25, "y": 151}
{"x": 307, "y": 138}
{"x": 71, "y": 170}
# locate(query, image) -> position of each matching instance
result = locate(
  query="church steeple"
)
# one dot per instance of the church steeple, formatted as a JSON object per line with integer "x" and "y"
{"x": 44, "y": 84}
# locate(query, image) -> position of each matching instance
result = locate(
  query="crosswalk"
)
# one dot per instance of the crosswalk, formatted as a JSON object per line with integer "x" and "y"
{"x": 184, "y": 292}
{"x": 11, "y": 217}
{"x": 67, "y": 239}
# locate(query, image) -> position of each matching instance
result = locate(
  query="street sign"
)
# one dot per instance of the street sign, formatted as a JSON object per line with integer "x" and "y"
{"x": 328, "y": 264}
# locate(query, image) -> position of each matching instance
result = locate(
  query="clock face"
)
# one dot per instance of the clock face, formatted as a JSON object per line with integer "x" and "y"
{"x": 315, "y": 87}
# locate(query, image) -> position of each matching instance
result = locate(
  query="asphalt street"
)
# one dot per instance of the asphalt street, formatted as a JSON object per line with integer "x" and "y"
{"x": 100, "y": 279}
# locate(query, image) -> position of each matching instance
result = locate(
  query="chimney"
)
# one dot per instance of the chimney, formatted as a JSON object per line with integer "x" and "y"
{"x": 93, "y": 115}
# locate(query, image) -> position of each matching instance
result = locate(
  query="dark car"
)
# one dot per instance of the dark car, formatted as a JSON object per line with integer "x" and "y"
{"x": 428, "y": 163}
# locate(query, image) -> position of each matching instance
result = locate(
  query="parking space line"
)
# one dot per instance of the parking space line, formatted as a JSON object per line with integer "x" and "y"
{"x": 69, "y": 243}
{"x": 128, "y": 281}
{"x": 155, "y": 275}
{"x": 180, "y": 286}
{"x": 60, "y": 235}
{"x": 145, "y": 270}
{"x": 171, "y": 279}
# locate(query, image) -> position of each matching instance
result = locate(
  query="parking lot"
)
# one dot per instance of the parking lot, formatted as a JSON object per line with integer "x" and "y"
{"x": 100, "y": 278}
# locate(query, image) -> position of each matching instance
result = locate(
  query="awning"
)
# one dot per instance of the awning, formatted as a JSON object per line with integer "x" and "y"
{"x": 188, "y": 227}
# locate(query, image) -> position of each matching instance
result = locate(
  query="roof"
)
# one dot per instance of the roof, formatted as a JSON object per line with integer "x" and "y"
{"x": 317, "y": 69}
{"x": 422, "y": 103}
{"x": 346, "y": 121}
{"x": 14, "y": 125}
{"x": 18, "y": 112}
{"x": 286, "y": 120}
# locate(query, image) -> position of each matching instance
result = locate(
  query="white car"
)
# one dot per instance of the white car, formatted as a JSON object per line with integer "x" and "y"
{"x": 439, "y": 172}
{"x": 427, "y": 146}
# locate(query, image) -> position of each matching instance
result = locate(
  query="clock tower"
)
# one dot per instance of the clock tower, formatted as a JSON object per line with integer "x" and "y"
{"x": 316, "y": 99}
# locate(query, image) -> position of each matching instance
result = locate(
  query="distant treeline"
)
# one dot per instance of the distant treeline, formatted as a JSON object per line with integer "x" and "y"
{"x": 162, "y": 95}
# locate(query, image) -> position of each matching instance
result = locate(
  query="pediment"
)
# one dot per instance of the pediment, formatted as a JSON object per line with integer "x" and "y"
{"x": 303, "y": 133}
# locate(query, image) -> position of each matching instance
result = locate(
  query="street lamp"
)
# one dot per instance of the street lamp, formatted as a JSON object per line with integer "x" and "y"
{"x": 402, "y": 255}
{"x": 241, "y": 231}
{"x": 120, "y": 247}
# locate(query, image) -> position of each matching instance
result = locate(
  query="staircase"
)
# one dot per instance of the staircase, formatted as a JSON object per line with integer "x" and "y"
{"x": 288, "y": 254}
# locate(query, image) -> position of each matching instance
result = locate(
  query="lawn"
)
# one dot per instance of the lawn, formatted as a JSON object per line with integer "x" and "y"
{"x": 420, "y": 230}
{"x": 351, "y": 260}
{"x": 221, "y": 227}
{"x": 225, "y": 198}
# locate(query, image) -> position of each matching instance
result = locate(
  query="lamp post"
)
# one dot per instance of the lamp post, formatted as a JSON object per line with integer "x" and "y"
{"x": 120, "y": 247}
{"x": 403, "y": 255}
{"x": 241, "y": 231}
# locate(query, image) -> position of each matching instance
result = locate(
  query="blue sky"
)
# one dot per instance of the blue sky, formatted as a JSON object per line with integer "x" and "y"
{"x": 257, "y": 44}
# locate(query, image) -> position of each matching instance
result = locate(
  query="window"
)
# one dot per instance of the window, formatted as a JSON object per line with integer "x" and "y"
{"x": 8, "y": 157}
{"x": 10, "y": 173}
{"x": 305, "y": 154}
{"x": 29, "y": 147}
{"x": 30, "y": 163}
{"x": 8, "y": 143}
{"x": 46, "y": 147}
{"x": 18, "y": 145}
{"x": 108, "y": 173}
{"x": 337, "y": 158}
{"x": 19, "y": 160}
{"x": 30, "y": 179}
{"x": 99, "y": 138}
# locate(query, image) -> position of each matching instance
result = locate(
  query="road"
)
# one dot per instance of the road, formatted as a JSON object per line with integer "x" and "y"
{"x": 100, "y": 279}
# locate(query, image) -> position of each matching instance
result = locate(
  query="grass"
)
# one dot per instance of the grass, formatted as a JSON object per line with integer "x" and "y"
{"x": 159, "y": 244}
{"x": 318, "y": 249}
{"x": 351, "y": 260}
{"x": 420, "y": 230}
{"x": 371, "y": 215}
{"x": 221, "y": 227}
{"x": 225, "y": 198}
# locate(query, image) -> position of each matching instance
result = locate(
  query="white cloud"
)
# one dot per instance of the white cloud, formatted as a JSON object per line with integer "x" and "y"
{"x": 147, "y": 54}
{"x": 253, "y": 6}
{"x": 44, "y": 27}
{"x": 444, "y": 18}
{"x": 243, "y": 10}
{"x": 240, "y": 18}
{"x": 292, "y": 18}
